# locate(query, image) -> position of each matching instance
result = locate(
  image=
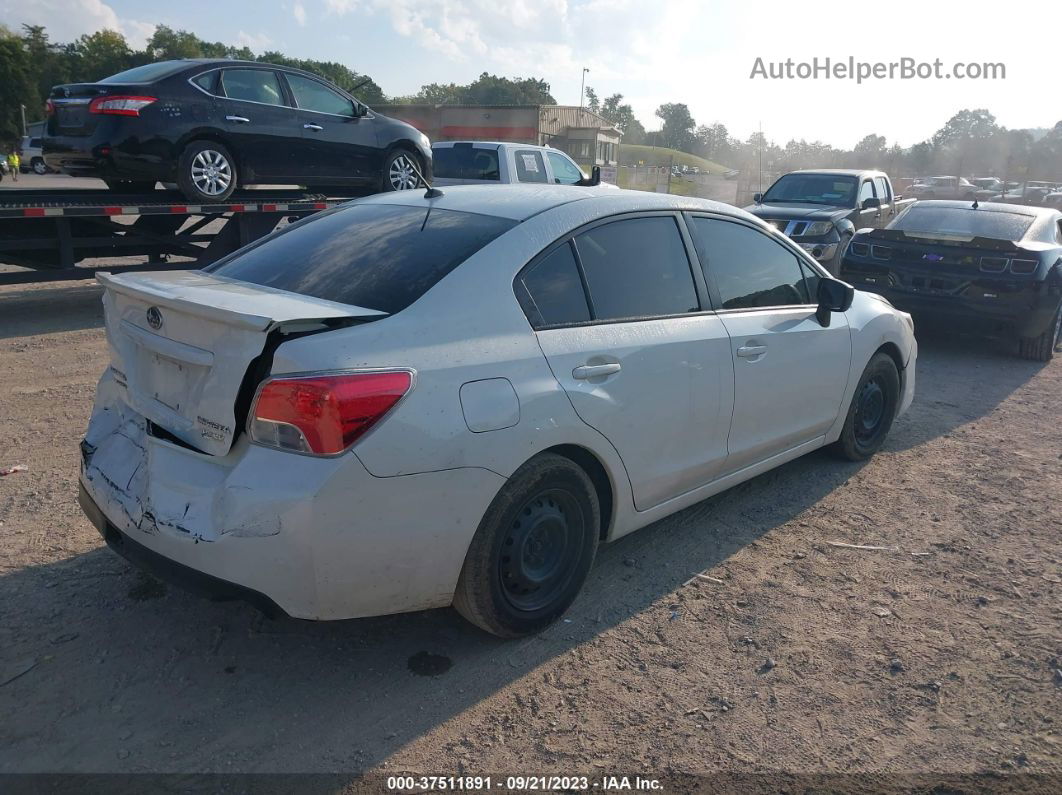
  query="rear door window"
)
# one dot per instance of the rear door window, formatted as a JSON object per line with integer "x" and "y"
{"x": 377, "y": 256}
{"x": 637, "y": 268}
{"x": 551, "y": 291}
{"x": 253, "y": 85}
{"x": 529, "y": 166}
{"x": 464, "y": 161}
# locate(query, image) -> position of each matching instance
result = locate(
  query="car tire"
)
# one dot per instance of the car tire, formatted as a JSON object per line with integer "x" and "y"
{"x": 872, "y": 411}
{"x": 401, "y": 171}
{"x": 206, "y": 172}
{"x": 533, "y": 549}
{"x": 38, "y": 166}
{"x": 1044, "y": 347}
{"x": 128, "y": 186}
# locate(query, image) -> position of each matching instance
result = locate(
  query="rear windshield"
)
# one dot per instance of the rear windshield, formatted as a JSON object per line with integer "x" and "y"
{"x": 378, "y": 256}
{"x": 963, "y": 222}
{"x": 465, "y": 162}
{"x": 147, "y": 73}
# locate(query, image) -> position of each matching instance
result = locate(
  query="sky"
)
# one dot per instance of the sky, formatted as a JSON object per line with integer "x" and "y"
{"x": 651, "y": 51}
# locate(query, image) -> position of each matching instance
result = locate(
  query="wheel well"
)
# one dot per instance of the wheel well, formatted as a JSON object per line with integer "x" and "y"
{"x": 893, "y": 352}
{"x": 598, "y": 476}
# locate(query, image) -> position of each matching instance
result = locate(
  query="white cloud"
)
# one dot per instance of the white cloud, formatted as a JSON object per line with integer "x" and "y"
{"x": 701, "y": 53}
{"x": 65, "y": 20}
{"x": 299, "y": 12}
{"x": 255, "y": 41}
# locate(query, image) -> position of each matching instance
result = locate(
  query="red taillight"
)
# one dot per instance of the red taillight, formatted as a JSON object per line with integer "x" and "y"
{"x": 324, "y": 414}
{"x": 120, "y": 106}
{"x": 49, "y": 108}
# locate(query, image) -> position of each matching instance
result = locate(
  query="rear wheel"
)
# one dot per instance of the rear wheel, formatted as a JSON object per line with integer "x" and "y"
{"x": 129, "y": 186}
{"x": 206, "y": 172}
{"x": 1044, "y": 347}
{"x": 533, "y": 549}
{"x": 873, "y": 408}
{"x": 401, "y": 171}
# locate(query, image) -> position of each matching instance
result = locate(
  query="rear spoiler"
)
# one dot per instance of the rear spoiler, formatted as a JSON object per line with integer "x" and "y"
{"x": 898, "y": 236}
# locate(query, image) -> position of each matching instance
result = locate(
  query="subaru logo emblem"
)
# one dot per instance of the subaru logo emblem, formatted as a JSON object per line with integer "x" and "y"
{"x": 154, "y": 318}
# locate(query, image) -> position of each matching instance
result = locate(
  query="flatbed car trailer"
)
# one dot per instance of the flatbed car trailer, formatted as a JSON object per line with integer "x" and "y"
{"x": 49, "y": 231}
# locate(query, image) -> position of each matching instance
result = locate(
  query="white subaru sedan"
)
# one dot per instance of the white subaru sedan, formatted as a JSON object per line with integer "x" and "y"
{"x": 410, "y": 402}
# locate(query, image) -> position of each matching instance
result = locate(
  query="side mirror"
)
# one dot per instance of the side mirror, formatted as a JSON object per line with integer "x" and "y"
{"x": 593, "y": 180}
{"x": 871, "y": 203}
{"x": 834, "y": 296}
{"x": 758, "y": 198}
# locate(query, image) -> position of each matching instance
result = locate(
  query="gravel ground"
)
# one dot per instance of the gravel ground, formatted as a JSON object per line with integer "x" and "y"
{"x": 940, "y": 655}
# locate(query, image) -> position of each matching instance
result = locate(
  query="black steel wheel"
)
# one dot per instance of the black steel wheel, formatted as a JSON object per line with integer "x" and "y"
{"x": 872, "y": 411}
{"x": 533, "y": 549}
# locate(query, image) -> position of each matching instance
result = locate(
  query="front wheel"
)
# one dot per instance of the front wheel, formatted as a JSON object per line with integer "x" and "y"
{"x": 206, "y": 172}
{"x": 533, "y": 549}
{"x": 1044, "y": 347}
{"x": 834, "y": 265}
{"x": 401, "y": 171}
{"x": 38, "y": 166}
{"x": 873, "y": 408}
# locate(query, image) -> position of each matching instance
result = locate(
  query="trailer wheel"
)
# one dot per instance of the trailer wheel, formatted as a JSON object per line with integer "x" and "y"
{"x": 206, "y": 172}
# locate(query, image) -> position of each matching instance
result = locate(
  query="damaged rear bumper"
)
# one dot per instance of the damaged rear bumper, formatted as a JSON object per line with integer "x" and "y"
{"x": 164, "y": 568}
{"x": 315, "y": 538}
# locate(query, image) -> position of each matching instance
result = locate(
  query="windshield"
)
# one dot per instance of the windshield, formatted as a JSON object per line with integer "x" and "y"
{"x": 147, "y": 73}
{"x": 813, "y": 189}
{"x": 377, "y": 256}
{"x": 962, "y": 222}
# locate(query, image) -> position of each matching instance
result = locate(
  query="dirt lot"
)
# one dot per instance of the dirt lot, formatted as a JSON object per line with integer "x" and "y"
{"x": 942, "y": 656}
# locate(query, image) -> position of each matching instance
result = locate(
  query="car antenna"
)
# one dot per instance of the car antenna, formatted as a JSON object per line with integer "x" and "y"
{"x": 430, "y": 193}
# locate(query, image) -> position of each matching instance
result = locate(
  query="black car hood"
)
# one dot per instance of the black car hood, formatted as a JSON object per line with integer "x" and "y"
{"x": 782, "y": 211}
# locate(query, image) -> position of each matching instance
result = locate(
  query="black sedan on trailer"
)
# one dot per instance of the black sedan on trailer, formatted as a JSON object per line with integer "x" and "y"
{"x": 991, "y": 267}
{"x": 213, "y": 125}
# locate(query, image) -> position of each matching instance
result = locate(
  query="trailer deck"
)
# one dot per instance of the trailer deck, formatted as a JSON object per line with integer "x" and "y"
{"x": 48, "y": 232}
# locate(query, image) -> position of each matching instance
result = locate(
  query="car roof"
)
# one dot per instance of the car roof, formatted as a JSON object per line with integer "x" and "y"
{"x": 494, "y": 144}
{"x": 841, "y": 172}
{"x": 520, "y": 202}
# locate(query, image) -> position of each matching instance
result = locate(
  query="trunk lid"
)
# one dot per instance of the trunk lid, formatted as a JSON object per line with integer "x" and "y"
{"x": 71, "y": 103}
{"x": 182, "y": 343}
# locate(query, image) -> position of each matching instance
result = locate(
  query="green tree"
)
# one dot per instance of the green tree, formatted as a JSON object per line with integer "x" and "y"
{"x": 167, "y": 44}
{"x": 677, "y": 132}
{"x": 622, "y": 117}
{"x": 100, "y": 55}
{"x": 593, "y": 104}
{"x": 19, "y": 85}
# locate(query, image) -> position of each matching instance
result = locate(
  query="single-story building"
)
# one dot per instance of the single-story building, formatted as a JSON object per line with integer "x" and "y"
{"x": 588, "y": 137}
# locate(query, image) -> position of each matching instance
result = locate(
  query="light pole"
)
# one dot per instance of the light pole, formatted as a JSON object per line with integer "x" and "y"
{"x": 582, "y": 87}
{"x": 25, "y": 130}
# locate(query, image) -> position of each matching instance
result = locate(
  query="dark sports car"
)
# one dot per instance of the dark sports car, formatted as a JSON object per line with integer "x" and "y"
{"x": 213, "y": 125}
{"x": 991, "y": 267}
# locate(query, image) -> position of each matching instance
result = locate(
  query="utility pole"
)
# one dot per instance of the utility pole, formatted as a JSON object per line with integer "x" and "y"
{"x": 25, "y": 129}
{"x": 582, "y": 87}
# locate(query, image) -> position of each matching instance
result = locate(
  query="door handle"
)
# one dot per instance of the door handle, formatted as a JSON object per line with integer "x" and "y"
{"x": 314, "y": 127}
{"x": 751, "y": 351}
{"x": 587, "y": 371}
{"x": 238, "y": 119}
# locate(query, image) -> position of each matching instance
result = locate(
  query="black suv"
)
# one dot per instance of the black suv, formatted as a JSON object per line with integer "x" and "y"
{"x": 213, "y": 125}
